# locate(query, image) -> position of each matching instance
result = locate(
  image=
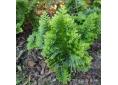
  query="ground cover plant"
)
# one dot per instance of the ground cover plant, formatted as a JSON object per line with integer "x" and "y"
{"x": 63, "y": 33}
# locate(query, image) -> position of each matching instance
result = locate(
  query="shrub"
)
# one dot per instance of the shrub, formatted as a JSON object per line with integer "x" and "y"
{"x": 64, "y": 42}
{"x": 64, "y": 51}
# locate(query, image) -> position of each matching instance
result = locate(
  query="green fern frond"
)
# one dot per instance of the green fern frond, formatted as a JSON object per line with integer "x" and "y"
{"x": 33, "y": 41}
{"x": 36, "y": 40}
{"x": 21, "y": 9}
{"x": 43, "y": 28}
{"x": 90, "y": 29}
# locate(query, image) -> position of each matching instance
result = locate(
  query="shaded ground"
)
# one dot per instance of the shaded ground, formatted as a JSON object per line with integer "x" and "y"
{"x": 32, "y": 70}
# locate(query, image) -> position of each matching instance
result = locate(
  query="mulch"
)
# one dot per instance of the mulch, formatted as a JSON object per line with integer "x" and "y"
{"x": 32, "y": 70}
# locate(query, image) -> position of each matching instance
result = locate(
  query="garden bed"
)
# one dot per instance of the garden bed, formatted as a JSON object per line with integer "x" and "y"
{"x": 31, "y": 68}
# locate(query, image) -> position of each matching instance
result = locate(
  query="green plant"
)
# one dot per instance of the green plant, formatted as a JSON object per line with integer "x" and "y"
{"x": 33, "y": 41}
{"x": 64, "y": 42}
{"x": 74, "y": 6}
{"x": 90, "y": 29}
{"x": 23, "y": 9}
{"x": 87, "y": 6}
{"x": 36, "y": 40}
{"x": 63, "y": 49}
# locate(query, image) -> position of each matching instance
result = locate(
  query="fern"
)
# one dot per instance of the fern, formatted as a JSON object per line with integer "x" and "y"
{"x": 63, "y": 47}
{"x": 43, "y": 28}
{"x": 33, "y": 41}
{"x": 75, "y": 6}
{"x": 63, "y": 73}
{"x": 90, "y": 29}
{"x": 23, "y": 8}
{"x": 36, "y": 40}
{"x": 64, "y": 42}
